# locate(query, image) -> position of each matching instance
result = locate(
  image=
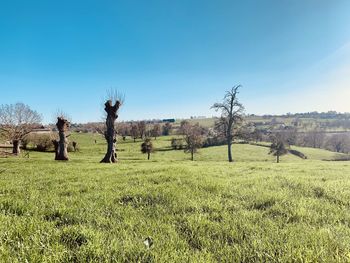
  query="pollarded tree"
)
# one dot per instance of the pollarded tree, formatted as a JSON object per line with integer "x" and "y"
{"x": 16, "y": 121}
{"x": 61, "y": 152}
{"x": 193, "y": 139}
{"x": 231, "y": 115}
{"x": 147, "y": 147}
{"x": 112, "y": 106}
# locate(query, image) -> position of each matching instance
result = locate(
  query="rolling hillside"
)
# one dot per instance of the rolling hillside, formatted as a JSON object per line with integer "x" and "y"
{"x": 202, "y": 211}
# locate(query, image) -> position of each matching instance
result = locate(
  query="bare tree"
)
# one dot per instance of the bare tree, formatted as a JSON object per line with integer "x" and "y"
{"x": 231, "y": 115}
{"x": 183, "y": 126}
{"x": 339, "y": 143}
{"x": 257, "y": 135}
{"x": 156, "y": 131}
{"x": 193, "y": 139}
{"x": 147, "y": 147}
{"x": 61, "y": 152}
{"x": 314, "y": 139}
{"x": 134, "y": 131}
{"x": 112, "y": 105}
{"x": 123, "y": 129}
{"x": 142, "y": 129}
{"x": 16, "y": 121}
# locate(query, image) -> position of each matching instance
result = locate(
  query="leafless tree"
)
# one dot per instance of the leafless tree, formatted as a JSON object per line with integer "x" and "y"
{"x": 134, "y": 131}
{"x": 314, "y": 139}
{"x": 339, "y": 143}
{"x": 231, "y": 115}
{"x": 156, "y": 131}
{"x": 123, "y": 129}
{"x": 193, "y": 139}
{"x": 16, "y": 121}
{"x": 112, "y": 105}
{"x": 183, "y": 126}
{"x": 142, "y": 127}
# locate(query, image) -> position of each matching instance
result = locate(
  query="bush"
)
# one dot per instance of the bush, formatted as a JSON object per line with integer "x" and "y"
{"x": 44, "y": 143}
{"x": 40, "y": 142}
{"x": 177, "y": 144}
{"x": 214, "y": 141}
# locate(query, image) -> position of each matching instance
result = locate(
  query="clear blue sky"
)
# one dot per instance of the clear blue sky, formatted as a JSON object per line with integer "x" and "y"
{"x": 174, "y": 58}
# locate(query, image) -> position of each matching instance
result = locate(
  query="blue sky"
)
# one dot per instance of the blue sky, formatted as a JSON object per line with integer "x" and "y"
{"x": 174, "y": 58}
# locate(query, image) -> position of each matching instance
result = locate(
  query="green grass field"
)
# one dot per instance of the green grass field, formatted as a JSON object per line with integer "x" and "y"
{"x": 209, "y": 210}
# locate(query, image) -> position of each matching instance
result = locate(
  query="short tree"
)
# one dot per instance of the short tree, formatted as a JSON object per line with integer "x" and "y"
{"x": 147, "y": 147}
{"x": 193, "y": 139}
{"x": 231, "y": 115}
{"x": 278, "y": 148}
{"x": 16, "y": 121}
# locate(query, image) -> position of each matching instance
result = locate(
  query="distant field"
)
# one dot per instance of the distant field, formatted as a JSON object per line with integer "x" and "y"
{"x": 208, "y": 210}
{"x": 309, "y": 123}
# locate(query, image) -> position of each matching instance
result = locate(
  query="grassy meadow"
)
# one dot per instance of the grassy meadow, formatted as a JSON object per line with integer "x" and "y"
{"x": 209, "y": 210}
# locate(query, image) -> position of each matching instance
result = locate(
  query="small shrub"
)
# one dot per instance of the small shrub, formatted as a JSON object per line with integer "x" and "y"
{"x": 177, "y": 144}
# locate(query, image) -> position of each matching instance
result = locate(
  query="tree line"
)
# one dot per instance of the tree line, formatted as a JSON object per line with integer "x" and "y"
{"x": 17, "y": 121}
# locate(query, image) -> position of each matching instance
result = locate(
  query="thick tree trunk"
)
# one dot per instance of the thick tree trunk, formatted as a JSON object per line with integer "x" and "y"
{"x": 192, "y": 154}
{"x": 110, "y": 134}
{"x": 62, "y": 147}
{"x": 111, "y": 156}
{"x": 62, "y": 126}
{"x": 15, "y": 149}
{"x": 278, "y": 158}
{"x": 149, "y": 155}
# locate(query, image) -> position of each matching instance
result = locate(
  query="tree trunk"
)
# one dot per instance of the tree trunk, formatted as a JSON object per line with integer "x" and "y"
{"x": 111, "y": 156}
{"x": 62, "y": 126}
{"x": 229, "y": 143}
{"x": 149, "y": 155}
{"x": 110, "y": 134}
{"x": 192, "y": 158}
{"x": 15, "y": 149}
{"x": 278, "y": 158}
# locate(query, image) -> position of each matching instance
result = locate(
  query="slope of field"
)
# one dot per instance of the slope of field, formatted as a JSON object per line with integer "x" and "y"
{"x": 203, "y": 211}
